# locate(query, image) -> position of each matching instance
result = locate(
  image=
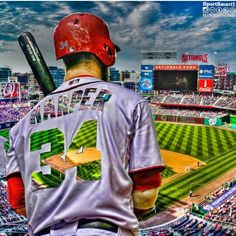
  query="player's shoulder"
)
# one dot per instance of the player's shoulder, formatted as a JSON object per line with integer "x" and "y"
{"x": 83, "y": 83}
{"x": 24, "y": 125}
{"x": 20, "y": 126}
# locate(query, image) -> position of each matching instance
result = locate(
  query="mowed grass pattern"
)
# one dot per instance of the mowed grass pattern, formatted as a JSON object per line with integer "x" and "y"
{"x": 179, "y": 188}
{"x": 167, "y": 172}
{"x": 5, "y": 134}
{"x": 86, "y": 136}
{"x": 201, "y": 142}
{"x": 212, "y": 145}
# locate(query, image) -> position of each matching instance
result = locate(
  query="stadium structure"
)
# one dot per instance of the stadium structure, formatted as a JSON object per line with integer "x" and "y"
{"x": 193, "y": 104}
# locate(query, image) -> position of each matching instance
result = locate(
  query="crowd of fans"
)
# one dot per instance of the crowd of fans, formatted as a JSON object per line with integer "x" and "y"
{"x": 190, "y": 225}
{"x": 10, "y": 222}
{"x": 226, "y": 212}
{"x": 218, "y": 192}
{"x": 159, "y": 110}
{"x": 176, "y": 99}
{"x": 199, "y": 100}
{"x": 12, "y": 112}
{"x": 219, "y": 221}
{"x": 188, "y": 99}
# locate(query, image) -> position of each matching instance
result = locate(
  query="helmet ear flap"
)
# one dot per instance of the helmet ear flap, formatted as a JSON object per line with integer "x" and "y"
{"x": 108, "y": 50}
{"x": 76, "y": 21}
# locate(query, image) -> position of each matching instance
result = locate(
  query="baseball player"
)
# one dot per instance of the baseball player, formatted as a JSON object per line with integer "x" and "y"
{"x": 85, "y": 158}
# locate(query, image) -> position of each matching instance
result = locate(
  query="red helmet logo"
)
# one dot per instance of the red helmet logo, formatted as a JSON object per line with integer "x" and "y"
{"x": 83, "y": 32}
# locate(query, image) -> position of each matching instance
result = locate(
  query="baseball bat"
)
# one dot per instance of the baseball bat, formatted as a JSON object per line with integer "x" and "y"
{"x": 36, "y": 62}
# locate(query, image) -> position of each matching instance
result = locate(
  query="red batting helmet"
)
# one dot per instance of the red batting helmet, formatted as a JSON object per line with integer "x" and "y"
{"x": 84, "y": 32}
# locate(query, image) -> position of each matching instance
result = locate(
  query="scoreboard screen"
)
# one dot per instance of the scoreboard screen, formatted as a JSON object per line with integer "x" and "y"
{"x": 176, "y": 80}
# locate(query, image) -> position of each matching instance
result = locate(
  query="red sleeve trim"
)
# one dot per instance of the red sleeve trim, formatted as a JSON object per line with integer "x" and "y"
{"x": 146, "y": 180}
{"x": 160, "y": 168}
{"x": 16, "y": 193}
{"x": 13, "y": 174}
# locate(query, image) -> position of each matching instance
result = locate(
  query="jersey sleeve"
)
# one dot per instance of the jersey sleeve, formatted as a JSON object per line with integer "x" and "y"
{"x": 12, "y": 161}
{"x": 144, "y": 149}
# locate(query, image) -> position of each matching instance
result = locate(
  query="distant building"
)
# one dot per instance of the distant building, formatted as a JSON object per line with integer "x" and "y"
{"x": 5, "y": 74}
{"x": 61, "y": 76}
{"x": 22, "y": 78}
{"x": 125, "y": 75}
{"x": 33, "y": 86}
{"x": 114, "y": 74}
{"x": 227, "y": 82}
{"x": 57, "y": 74}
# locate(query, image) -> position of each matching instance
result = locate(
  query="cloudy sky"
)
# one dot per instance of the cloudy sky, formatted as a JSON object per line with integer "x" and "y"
{"x": 134, "y": 26}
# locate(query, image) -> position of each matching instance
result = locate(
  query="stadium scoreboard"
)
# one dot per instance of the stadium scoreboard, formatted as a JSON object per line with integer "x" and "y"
{"x": 176, "y": 77}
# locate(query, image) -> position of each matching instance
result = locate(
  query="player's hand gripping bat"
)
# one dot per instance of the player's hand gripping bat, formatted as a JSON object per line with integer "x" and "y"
{"x": 36, "y": 62}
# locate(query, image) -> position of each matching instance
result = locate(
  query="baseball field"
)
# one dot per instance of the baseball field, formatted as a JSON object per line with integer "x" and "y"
{"x": 209, "y": 152}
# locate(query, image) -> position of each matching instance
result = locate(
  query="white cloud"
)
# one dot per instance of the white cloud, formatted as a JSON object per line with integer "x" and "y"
{"x": 133, "y": 25}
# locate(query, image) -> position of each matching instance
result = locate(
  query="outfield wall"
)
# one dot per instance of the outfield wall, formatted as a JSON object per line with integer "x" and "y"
{"x": 7, "y": 125}
{"x": 193, "y": 120}
{"x": 181, "y": 119}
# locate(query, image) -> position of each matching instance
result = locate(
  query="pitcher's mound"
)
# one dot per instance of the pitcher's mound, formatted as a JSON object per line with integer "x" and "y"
{"x": 73, "y": 158}
{"x": 88, "y": 155}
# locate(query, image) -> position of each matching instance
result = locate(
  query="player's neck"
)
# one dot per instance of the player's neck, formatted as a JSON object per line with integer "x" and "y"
{"x": 91, "y": 69}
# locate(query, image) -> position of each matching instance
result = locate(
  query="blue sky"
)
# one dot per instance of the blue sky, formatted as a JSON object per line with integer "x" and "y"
{"x": 134, "y": 26}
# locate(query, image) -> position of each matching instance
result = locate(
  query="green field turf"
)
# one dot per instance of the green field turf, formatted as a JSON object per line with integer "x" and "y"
{"x": 167, "y": 172}
{"x": 85, "y": 137}
{"x": 180, "y": 187}
{"x": 201, "y": 142}
{"x": 5, "y": 134}
{"x": 215, "y": 146}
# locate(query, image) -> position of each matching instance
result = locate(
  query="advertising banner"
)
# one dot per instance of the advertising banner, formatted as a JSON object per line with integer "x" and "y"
{"x": 146, "y": 67}
{"x": 11, "y": 90}
{"x": 218, "y": 201}
{"x": 206, "y": 71}
{"x": 176, "y": 67}
{"x": 233, "y": 120}
{"x": 212, "y": 121}
{"x": 146, "y": 84}
{"x": 7, "y": 125}
{"x": 148, "y": 74}
{"x": 205, "y": 85}
{"x": 156, "y": 55}
{"x": 181, "y": 119}
{"x": 195, "y": 57}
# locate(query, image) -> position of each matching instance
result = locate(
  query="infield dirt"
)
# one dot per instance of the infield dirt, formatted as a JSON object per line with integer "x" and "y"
{"x": 179, "y": 162}
{"x": 73, "y": 158}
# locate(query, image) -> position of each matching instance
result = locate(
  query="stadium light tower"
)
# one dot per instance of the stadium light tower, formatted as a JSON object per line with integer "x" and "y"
{"x": 214, "y": 57}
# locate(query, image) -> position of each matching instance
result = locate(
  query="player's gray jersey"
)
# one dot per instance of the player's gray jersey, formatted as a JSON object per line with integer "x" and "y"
{"x": 75, "y": 150}
{"x": 2, "y": 157}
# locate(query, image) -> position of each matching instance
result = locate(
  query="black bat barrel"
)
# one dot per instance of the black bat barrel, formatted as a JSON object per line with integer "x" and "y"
{"x": 36, "y": 62}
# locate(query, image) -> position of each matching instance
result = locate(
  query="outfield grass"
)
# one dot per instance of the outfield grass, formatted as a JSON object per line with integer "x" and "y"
{"x": 179, "y": 188}
{"x": 5, "y": 134}
{"x": 214, "y": 146}
{"x": 201, "y": 142}
{"x": 167, "y": 172}
{"x": 86, "y": 136}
